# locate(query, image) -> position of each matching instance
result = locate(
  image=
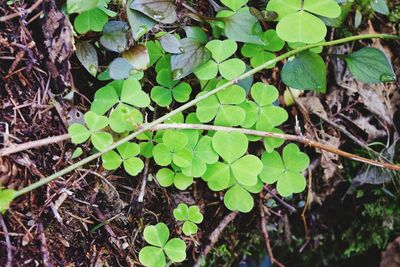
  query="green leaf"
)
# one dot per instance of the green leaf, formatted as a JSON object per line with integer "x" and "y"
{"x": 113, "y": 37}
{"x": 221, "y": 107}
{"x": 161, "y": 95}
{"x": 94, "y": 121}
{"x": 284, "y": 7}
{"x": 189, "y": 228}
{"x": 104, "y": 99}
{"x": 181, "y": 181}
{"x": 306, "y": 71}
{"x": 87, "y": 55}
{"x": 301, "y": 27}
{"x": 294, "y": 159}
{"x": 194, "y": 55}
{"x": 238, "y": 199}
{"x": 234, "y": 4}
{"x": 156, "y": 235}
{"x": 152, "y": 257}
{"x": 101, "y": 140}
{"x": 6, "y": 197}
{"x": 111, "y": 160}
{"x": 120, "y": 68}
{"x": 140, "y": 24}
{"x": 370, "y": 65}
{"x": 203, "y": 153}
{"x": 182, "y": 158}
{"x": 217, "y": 176}
{"x": 176, "y": 250}
{"x": 207, "y": 71}
{"x": 165, "y": 177}
{"x": 175, "y": 140}
{"x": 79, "y": 6}
{"x": 287, "y": 172}
{"x": 146, "y": 149}
{"x": 77, "y": 153}
{"x": 91, "y": 20}
{"x": 194, "y": 214}
{"x": 325, "y": 8}
{"x": 181, "y": 212}
{"x": 197, "y": 33}
{"x": 78, "y": 133}
{"x": 232, "y": 68}
{"x": 161, "y": 11}
{"x": 133, "y": 94}
{"x": 240, "y": 27}
{"x": 162, "y": 155}
{"x": 246, "y": 170}
{"x": 133, "y": 166}
{"x": 380, "y": 6}
{"x": 230, "y": 145}
{"x": 221, "y": 50}
{"x": 271, "y": 143}
{"x": 181, "y": 92}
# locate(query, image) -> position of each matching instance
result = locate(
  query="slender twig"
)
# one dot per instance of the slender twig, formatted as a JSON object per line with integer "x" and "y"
{"x": 264, "y": 230}
{"x": 194, "y": 102}
{"x": 280, "y": 200}
{"x": 307, "y": 205}
{"x": 26, "y": 12}
{"x": 33, "y": 144}
{"x": 144, "y": 181}
{"x": 214, "y": 236}
{"x": 288, "y": 137}
{"x": 8, "y": 242}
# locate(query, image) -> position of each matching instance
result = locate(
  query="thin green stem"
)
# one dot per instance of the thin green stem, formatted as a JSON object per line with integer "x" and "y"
{"x": 150, "y": 125}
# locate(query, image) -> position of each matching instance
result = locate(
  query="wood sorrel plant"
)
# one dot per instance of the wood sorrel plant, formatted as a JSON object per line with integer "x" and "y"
{"x": 227, "y": 94}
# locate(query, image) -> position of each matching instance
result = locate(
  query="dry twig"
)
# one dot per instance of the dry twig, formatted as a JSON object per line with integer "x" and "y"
{"x": 8, "y": 242}
{"x": 266, "y": 235}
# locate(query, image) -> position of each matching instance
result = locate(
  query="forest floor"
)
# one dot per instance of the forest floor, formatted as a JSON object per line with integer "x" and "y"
{"x": 92, "y": 217}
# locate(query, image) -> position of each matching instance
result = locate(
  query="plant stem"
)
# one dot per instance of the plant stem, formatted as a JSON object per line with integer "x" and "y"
{"x": 193, "y": 102}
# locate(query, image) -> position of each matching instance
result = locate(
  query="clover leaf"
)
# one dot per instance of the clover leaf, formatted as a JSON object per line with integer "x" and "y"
{"x": 167, "y": 177}
{"x": 191, "y": 216}
{"x": 237, "y": 170}
{"x": 202, "y": 151}
{"x": 126, "y": 155}
{"x": 285, "y": 171}
{"x": 223, "y": 107}
{"x": 260, "y": 54}
{"x": 154, "y": 255}
{"x": 127, "y": 95}
{"x": 173, "y": 149}
{"x": 220, "y": 52}
{"x": 234, "y": 4}
{"x": 298, "y": 20}
{"x": 91, "y": 20}
{"x": 95, "y": 125}
{"x": 6, "y": 197}
{"x": 262, "y": 113}
{"x": 169, "y": 90}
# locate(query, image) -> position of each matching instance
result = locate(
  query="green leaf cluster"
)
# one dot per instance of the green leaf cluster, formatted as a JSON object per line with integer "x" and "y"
{"x": 238, "y": 172}
{"x": 299, "y": 19}
{"x": 126, "y": 156}
{"x": 285, "y": 171}
{"x": 191, "y": 216}
{"x": 161, "y": 246}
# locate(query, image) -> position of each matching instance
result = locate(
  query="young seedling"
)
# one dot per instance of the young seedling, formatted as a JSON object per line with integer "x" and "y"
{"x": 191, "y": 216}
{"x": 160, "y": 246}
